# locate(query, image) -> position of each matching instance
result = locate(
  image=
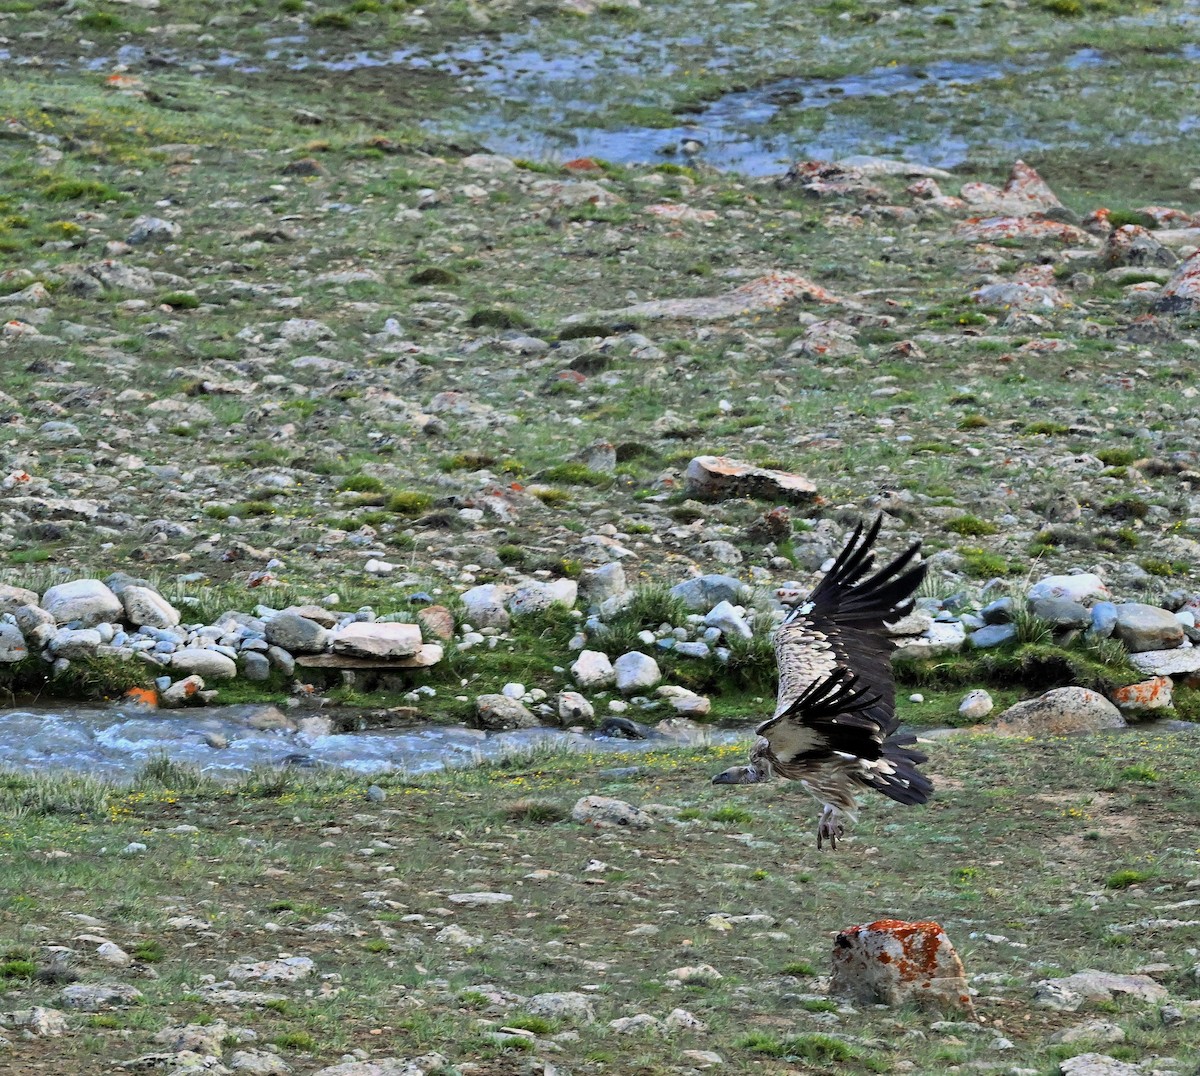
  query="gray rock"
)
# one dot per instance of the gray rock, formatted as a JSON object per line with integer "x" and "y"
{"x": 257, "y": 1063}
{"x": 486, "y": 606}
{"x": 145, "y": 606}
{"x": 1104, "y": 620}
{"x": 152, "y": 230}
{"x": 605, "y": 812}
{"x": 92, "y": 997}
{"x": 378, "y": 640}
{"x": 12, "y": 644}
{"x": 729, "y": 619}
{"x": 992, "y": 635}
{"x": 1179, "y": 662}
{"x": 38, "y": 1022}
{"x": 1098, "y": 1065}
{"x": 280, "y": 659}
{"x": 87, "y": 601}
{"x": 1071, "y": 991}
{"x": 636, "y": 671}
{"x": 1059, "y": 712}
{"x": 1090, "y": 1031}
{"x": 600, "y": 584}
{"x": 1061, "y": 612}
{"x": 13, "y": 598}
{"x": 424, "y": 1065}
{"x": 255, "y": 666}
{"x": 1147, "y": 627}
{"x": 705, "y": 591}
{"x": 206, "y": 663}
{"x": 284, "y": 970}
{"x": 976, "y": 705}
{"x": 496, "y": 712}
{"x": 75, "y": 643}
{"x": 572, "y": 1007}
{"x": 1077, "y": 588}
{"x": 297, "y": 634}
{"x": 538, "y": 597}
{"x": 592, "y": 669}
{"x": 574, "y": 709}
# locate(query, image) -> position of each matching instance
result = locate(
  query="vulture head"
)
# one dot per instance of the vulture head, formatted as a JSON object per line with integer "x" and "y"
{"x": 758, "y": 770}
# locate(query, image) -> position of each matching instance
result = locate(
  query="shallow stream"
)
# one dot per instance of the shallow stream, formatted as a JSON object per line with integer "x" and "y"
{"x": 114, "y": 743}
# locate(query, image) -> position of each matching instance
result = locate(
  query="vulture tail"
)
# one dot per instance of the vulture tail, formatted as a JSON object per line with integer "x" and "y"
{"x": 884, "y": 596}
{"x": 906, "y": 784}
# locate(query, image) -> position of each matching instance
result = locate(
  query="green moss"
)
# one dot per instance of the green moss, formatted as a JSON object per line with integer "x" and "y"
{"x": 973, "y": 422}
{"x": 1117, "y": 457}
{"x": 1051, "y": 429}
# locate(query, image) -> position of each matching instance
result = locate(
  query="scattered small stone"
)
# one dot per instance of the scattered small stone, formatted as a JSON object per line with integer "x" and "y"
{"x": 284, "y": 970}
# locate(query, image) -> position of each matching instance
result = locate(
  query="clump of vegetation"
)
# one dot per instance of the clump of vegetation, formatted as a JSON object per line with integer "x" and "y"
{"x": 537, "y": 811}
{"x": 498, "y": 317}
{"x": 360, "y": 483}
{"x": 409, "y": 503}
{"x": 433, "y": 275}
{"x": 1123, "y": 879}
{"x": 1116, "y": 457}
{"x": 576, "y": 474}
{"x": 971, "y": 526}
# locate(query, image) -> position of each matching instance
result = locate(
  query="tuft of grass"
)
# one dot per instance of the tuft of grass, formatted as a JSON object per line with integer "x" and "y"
{"x": 409, "y": 503}
{"x": 180, "y": 300}
{"x": 360, "y": 483}
{"x": 1123, "y": 879}
{"x": 17, "y": 969}
{"x": 576, "y": 474}
{"x": 1116, "y": 457}
{"x": 538, "y": 811}
{"x": 498, "y": 317}
{"x": 971, "y": 526}
{"x": 150, "y": 952}
{"x": 1140, "y": 772}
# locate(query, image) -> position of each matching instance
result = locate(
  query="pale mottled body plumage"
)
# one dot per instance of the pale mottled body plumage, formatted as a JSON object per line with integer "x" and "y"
{"x": 834, "y": 725}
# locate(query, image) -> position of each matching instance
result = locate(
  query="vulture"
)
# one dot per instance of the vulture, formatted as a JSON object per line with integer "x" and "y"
{"x": 834, "y": 726}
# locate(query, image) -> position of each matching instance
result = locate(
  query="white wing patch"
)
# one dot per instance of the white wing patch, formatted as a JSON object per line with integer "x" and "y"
{"x": 788, "y": 738}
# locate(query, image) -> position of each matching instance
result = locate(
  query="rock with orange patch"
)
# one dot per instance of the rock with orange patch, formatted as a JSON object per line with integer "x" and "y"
{"x": 893, "y": 962}
{"x": 182, "y": 693}
{"x": 1024, "y": 193}
{"x": 1152, "y": 694}
{"x": 1181, "y": 294}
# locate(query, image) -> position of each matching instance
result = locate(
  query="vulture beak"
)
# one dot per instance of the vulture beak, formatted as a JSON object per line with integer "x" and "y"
{"x": 737, "y": 775}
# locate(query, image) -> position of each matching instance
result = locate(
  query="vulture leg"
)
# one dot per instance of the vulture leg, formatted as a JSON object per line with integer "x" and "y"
{"x": 830, "y": 827}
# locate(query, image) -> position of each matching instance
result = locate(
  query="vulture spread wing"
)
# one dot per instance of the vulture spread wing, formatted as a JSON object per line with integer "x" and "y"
{"x": 841, "y": 626}
{"x": 834, "y": 726}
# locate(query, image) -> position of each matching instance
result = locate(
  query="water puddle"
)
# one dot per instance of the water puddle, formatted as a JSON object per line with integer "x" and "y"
{"x": 527, "y": 95}
{"x": 115, "y": 743}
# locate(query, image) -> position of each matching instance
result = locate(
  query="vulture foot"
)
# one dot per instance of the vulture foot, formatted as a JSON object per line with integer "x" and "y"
{"x": 829, "y": 828}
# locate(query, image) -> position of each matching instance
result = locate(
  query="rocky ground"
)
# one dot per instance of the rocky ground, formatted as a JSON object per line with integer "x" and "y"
{"x": 574, "y": 914}
{"x": 306, "y": 402}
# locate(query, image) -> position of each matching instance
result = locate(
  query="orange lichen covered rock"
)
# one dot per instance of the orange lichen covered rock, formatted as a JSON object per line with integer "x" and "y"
{"x": 893, "y": 962}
